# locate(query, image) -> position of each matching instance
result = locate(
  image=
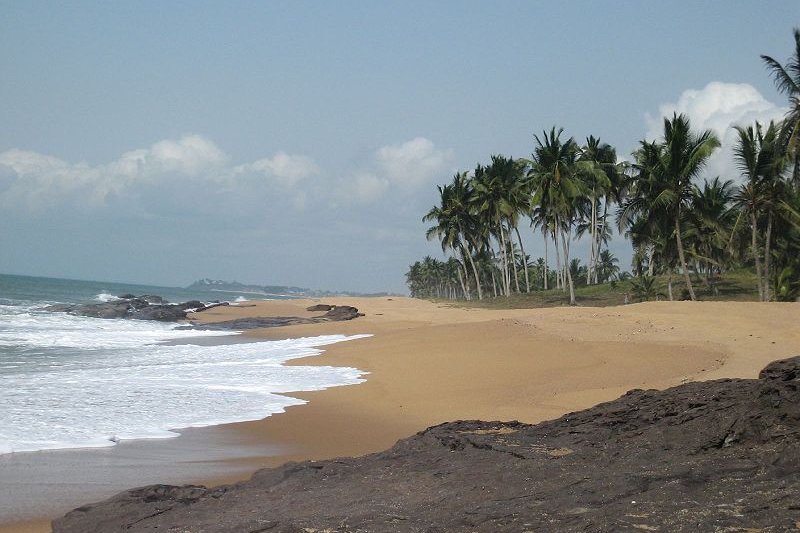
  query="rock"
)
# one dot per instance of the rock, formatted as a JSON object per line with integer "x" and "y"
{"x": 342, "y": 312}
{"x": 719, "y": 455}
{"x": 335, "y": 314}
{"x": 153, "y": 299}
{"x": 146, "y": 307}
{"x": 319, "y": 307}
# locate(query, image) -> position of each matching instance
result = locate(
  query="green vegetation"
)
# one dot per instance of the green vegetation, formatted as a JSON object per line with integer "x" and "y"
{"x": 710, "y": 240}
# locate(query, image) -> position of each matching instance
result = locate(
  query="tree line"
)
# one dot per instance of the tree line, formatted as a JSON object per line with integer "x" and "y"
{"x": 678, "y": 228}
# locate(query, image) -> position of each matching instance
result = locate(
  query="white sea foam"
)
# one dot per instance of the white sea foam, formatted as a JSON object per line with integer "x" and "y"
{"x": 105, "y": 297}
{"x": 241, "y": 299}
{"x": 81, "y": 382}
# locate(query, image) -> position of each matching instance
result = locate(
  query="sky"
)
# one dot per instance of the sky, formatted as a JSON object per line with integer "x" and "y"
{"x": 301, "y": 142}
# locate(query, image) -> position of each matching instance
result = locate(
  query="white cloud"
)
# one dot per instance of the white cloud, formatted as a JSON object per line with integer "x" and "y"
{"x": 413, "y": 163}
{"x": 718, "y": 106}
{"x": 366, "y": 187}
{"x": 38, "y": 181}
{"x": 283, "y": 169}
{"x": 191, "y": 155}
{"x": 403, "y": 168}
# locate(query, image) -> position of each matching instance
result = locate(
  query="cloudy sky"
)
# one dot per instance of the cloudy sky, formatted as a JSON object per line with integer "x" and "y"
{"x": 301, "y": 142}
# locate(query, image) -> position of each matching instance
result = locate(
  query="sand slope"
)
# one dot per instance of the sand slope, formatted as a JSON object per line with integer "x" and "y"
{"x": 431, "y": 363}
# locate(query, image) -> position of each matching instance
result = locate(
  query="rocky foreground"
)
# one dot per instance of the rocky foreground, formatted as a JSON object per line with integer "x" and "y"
{"x": 711, "y": 456}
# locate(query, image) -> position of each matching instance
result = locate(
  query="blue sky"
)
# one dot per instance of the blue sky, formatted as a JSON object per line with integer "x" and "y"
{"x": 300, "y": 142}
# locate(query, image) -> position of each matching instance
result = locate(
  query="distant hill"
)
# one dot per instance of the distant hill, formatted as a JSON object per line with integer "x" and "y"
{"x": 270, "y": 290}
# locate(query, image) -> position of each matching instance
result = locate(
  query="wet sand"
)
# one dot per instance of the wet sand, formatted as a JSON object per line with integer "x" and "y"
{"x": 431, "y": 363}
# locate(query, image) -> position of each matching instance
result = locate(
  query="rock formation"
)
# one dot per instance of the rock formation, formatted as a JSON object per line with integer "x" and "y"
{"x": 709, "y": 456}
{"x": 335, "y": 313}
{"x": 146, "y": 307}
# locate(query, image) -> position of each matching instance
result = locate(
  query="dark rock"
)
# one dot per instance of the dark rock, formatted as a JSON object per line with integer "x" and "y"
{"x": 712, "y": 456}
{"x": 319, "y": 307}
{"x": 342, "y": 312}
{"x": 162, "y": 313}
{"x": 146, "y": 307}
{"x": 335, "y": 314}
{"x": 153, "y": 299}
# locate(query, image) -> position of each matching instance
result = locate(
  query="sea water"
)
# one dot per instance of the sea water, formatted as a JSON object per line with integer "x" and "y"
{"x": 76, "y": 382}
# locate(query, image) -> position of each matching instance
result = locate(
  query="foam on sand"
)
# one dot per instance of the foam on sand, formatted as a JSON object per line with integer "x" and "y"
{"x": 110, "y": 380}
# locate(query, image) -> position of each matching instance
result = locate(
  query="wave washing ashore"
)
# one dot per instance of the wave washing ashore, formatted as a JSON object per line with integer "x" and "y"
{"x": 76, "y": 382}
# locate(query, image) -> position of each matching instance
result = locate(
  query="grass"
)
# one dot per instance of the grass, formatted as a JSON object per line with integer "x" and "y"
{"x": 737, "y": 285}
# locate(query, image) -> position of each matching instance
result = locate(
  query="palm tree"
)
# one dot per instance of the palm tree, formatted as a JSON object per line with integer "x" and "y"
{"x": 711, "y": 222}
{"x": 491, "y": 204}
{"x": 787, "y": 80}
{"x": 760, "y": 157}
{"x": 666, "y": 169}
{"x": 456, "y": 225}
{"x": 555, "y": 190}
{"x": 606, "y": 266}
{"x": 596, "y": 164}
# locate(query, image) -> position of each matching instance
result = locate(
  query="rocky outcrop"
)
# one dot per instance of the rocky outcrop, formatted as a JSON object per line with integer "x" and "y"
{"x": 320, "y": 307}
{"x": 335, "y": 313}
{"x": 146, "y": 307}
{"x": 711, "y": 456}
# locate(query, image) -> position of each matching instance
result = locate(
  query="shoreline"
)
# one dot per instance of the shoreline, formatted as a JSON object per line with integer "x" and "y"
{"x": 430, "y": 363}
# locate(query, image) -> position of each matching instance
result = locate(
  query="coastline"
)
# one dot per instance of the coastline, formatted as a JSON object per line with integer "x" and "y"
{"x": 429, "y": 363}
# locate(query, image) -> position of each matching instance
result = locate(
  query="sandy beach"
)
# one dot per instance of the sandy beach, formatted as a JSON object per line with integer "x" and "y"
{"x": 429, "y": 363}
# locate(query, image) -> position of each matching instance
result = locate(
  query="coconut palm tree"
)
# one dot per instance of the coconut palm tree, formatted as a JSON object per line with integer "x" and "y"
{"x": 596, "y": 164}
{"x": 607, "y": 267}
{"x": 666, "y": 169}
{"x": 499, "y": 196}
{"x": 759, "y": 156}
{"x": 787, "y": 80}
{"x": 556, "y": 190}
{"x": 710, "y": 222}
{"x": 456, "y": 225}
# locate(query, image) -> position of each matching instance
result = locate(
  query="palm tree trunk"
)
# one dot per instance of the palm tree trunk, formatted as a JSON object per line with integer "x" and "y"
{"x": 546, "y": 273}
{"x": 590, "y": 266}
{"x": 681, "y": 256}
{"x": 568, "y": 274}
{"x": 513, "y": 262}
{"x": 524, "y": 260}
{"x": 669, "y": 285}
{"x": 494, "y": 281}
{"x": 600, "y": 236}
{"x": 474, "y": 271}
{"x": 559, "y": 269}
{"x": 756, "y": 254}
{"x": 461, "y": 281}
{"x": 504, "y": 262}
{"x": 767, "y": 245}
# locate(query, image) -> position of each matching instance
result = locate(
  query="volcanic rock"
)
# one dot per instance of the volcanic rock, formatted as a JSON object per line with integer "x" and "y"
{"x": 719, "y": 455}
{"x": 320, "y": 307}
{"x": 146, "y": 307}
{"x": 335, "y": 313}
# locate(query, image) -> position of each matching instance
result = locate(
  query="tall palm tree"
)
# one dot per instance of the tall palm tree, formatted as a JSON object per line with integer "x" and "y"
{"x": 499, "y": 197}
{"x": 787, "y": 80}
{"x": 666, "y": 169}
{"x": 455, "y": 225}
{"x": 711, "y": 221}
{"x": 757, "y": 154}
{"x": 596, "y": 164}
{"x": 556, "y": 189}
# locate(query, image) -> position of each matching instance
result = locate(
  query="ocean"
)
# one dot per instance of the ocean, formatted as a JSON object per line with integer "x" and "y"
{"x": 76, "y": 382}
